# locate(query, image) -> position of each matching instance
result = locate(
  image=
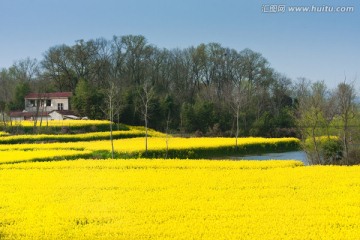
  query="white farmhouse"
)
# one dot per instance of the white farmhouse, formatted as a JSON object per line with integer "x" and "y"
{"x": 46, "y": 106}
{"x": 47, "y": 102}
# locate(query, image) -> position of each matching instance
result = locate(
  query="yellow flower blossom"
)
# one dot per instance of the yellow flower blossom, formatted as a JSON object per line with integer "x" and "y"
{"x": 155, "y": 143}
{"x": 178, "y": 199}
{"x": 77, "y": 137}
{"x": 3, "y": 134}
{"x": 39, "y": 155}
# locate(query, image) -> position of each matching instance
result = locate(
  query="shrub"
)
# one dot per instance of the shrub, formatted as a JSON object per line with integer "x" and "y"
{"x": 324, "y": 150}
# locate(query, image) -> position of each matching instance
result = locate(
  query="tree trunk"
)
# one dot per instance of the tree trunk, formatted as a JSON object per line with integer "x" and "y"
{"x": 237, "y": 126}
{"x": 111, "y": 129}
{"x": 316, "y": 147}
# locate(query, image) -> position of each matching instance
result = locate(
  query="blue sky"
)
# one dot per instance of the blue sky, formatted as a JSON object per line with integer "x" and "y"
{"x": 318, "y": 46}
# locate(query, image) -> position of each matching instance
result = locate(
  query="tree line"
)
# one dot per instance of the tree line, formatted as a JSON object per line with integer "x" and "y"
{"x": 206, "y": 89}
{"x": 197, "y": 88}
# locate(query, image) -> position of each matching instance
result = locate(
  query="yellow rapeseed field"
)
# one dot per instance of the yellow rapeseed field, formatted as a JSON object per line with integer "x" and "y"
{"x": 154, "y": 143}
{"x": 38, "y": 155}
{"x": 77, "y": 137}
{"x": 178, "y": 199}
{"x": 3, "y": 134}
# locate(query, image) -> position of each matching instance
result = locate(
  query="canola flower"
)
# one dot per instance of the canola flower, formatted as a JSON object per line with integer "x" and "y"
{"x": 3, "y": 134}
{"x": 178, "y": 199}
{"x": 180, "y": 147}
{"x": 154, "y": 143}
{"x": 38, "y": 155}
{"x": 134, "y": 132}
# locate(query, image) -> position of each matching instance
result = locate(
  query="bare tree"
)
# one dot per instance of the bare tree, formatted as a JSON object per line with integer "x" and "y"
{"x": 146, "y": 94}
{"x": 26, "y": 70}
{"x": 58, "y": 68}
{"x": 168, "y": 120}
{"x": 237, "y": 99}
{"x": 112, "y": 104}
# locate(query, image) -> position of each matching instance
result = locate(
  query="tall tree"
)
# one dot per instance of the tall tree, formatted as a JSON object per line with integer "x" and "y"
{"x": 26, "y": 70}
{"x": 7, "y": 86}
{"x": 137, "y": 54}
{"x": 311, "y": 116}
{"x": 58, "y": 68}
{"x": 21, "y": 90}
{"x": 345, "y": 95}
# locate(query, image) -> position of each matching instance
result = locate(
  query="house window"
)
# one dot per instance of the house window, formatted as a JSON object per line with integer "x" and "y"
{"x": 60, "y": 106}
{"x": 48, "y": 103}
{"x": 32, "y": 103}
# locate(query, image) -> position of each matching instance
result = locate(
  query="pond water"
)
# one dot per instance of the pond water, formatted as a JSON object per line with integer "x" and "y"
{"x": 295, "y": 155}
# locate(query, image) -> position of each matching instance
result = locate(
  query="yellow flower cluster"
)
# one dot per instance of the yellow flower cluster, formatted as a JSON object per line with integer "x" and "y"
{"x": 38, "y": 155}
{"x": 3, "y": 134}
{"x": 77, "y": 137}
{"x": 178, "y": 199}
{"x": 154, "y": 143}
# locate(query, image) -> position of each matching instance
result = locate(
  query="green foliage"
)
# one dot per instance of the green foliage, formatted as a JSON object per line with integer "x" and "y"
{"x": 274, "y": 125}
{"x": 194, "y": 86}
{"x": 324, "y": 150}
{"x": 21, "y": 90}
{"x": 156, "y": 114}
{"x": 129, "y": 114}
{"x": 188, "y": 118}
{"x": 87, "y": 100}
{"x": 261, "y": 125}
{"x": 204, "y": 115}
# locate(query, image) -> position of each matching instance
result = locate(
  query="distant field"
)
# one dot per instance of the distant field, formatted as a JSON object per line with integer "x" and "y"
{"x": 56, "y": 125}
{"x": 177, "y": 147}
{"x": 178, "y": 199}
{"x": 91, "y": 136}
{"x": 60, "y": 123}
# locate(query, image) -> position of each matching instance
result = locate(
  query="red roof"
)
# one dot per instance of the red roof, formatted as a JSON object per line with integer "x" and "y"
{"x": 29, "y": 114}
{"x": 49, "y": 95}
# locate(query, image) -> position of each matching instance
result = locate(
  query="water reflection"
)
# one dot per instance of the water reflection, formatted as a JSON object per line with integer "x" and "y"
{"x": 296, "y": 155}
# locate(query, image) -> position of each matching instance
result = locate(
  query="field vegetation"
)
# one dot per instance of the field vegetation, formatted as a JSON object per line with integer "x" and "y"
{"x": 178, "y": 199}
{"x": 131, "y": 143}
{"x": 65, "y": 186}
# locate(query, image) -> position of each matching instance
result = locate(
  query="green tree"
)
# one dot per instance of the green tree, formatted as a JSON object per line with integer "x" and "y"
{"x": 187, "y": 118}
{"x": 88, "y": 101}
{"x": 313, "y": 116}
{"x": 346, "y": 109}
{"x": 21, "y": 90}
{"x": 2, "y": 113}
{"x": 204, "y": 115}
